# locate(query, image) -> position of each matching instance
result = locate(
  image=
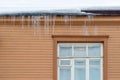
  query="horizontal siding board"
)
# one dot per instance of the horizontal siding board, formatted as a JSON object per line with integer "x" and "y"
{"x": 25, "y": 66}
{"x": 28, "y": 56}
{"x": 35, "y": 78}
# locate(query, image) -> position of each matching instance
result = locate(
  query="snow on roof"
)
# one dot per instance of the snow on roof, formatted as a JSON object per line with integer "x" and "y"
{"x": 77, "y": 11}
{"x": 45, "y": 12}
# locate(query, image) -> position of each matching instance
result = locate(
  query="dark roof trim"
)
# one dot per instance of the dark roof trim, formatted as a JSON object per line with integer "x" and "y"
{"x": 103, "y": 12}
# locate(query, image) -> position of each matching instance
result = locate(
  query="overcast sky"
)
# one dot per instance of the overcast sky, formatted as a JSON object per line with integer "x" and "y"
{"x": 54, "y": 4}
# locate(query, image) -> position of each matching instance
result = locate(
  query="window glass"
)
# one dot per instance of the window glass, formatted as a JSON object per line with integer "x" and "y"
{"x": 65, "y": 51}
{"x": 94, "y": 50}
{"x": 95, "y": 62}
{"x": 80, "y": 51}
{"x": 80, "y": 72}
{"x": 64, "y": 62}
{"x": 95, "y": 71}
{"x": 80, "y": 61}
{"x": 65, "y": 73}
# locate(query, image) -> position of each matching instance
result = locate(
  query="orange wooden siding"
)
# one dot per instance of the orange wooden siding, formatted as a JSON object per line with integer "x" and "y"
{"x": 27, "y": 54}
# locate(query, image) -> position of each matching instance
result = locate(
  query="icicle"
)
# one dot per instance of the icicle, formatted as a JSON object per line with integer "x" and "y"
{"x": 14, "y": 20}
{"x": 32, "y": 20}
{"x": 53, "y": 25}
{"x": 28, "y": 21}
{"x": 35, "y": 24}
{"x": 92, "y": 18}
{"x": 70, "y": 22}
{"x": 38, "y": 24}
{"x": 95, "y": 30}
{"x": 66, "y": 19}
{"x": 95, "y": 27}
{"x": 85, "y": 28}
{"x": 89, "y": 18}
{"x": 50, "y": 21}
{"x": 22, "y": 21}
{"x": 66, "y": 22}
{"x": 3, "y": 19}
{"x": 11, "y": 19}
{"x": 46, "y": 24}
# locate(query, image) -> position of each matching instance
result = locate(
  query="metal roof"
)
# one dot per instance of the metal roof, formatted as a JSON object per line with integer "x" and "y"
{"x": 109, "y": 11}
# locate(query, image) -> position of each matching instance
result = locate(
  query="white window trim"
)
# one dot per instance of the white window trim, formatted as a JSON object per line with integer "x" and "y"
{"x": 72, "y": 59}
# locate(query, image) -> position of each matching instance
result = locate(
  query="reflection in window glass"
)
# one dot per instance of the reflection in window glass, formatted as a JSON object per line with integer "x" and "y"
{"x": 80, "y": 72}
{"x": 95, "y": 70}
{"x": 94, "y": 50}
{"x": 79, "y": 62}
{"x": 82, "y": 61}
{"x": 65, "y": 51}
{"x": 65, "y": 62}
{"x": 80, "y": 51}
{"x": 65, "y": 73}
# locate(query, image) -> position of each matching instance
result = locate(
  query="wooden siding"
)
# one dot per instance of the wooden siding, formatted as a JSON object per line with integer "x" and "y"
{"x": 27, "y": 54}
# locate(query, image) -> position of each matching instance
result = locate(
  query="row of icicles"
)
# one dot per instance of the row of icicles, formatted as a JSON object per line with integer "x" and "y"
{"x": 49, "y": 23}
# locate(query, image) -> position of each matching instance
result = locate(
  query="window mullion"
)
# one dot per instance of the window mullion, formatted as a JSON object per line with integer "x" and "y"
{"x": 58, "y": 78}
{"x": 58, "y": 73}
{"x": 101, "y": 67}
{"x": 72, "y": 50}
{"x": 87, "y": 69}
{"x": 101, "y": 50}
{"x": 72, "y": 68}
{"x": 58, "y": 50}
{"x": 86, "y": 58}
{"x": 87, "y": 50}
{"x": 87, "y": 64}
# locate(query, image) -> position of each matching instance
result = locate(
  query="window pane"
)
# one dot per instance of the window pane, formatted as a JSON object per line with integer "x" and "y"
{"x": 95, "y": 62}
{"x": 65, "y": 73}
{"x": 94, "y": 50}
{"x": 64, "y": 62}
{"x": 79, "y": 62}
{"x": 80, "y": 51}
{"x": 65, "y": 51}
{"x": 80, "y": 70}
{"x": 95, "y": 70}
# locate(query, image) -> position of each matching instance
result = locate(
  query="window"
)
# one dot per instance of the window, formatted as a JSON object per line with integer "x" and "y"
{"x": 80, "y": 61}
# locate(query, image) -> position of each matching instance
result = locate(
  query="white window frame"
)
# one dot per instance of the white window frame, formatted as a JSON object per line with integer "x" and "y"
{"x": 73, "y": 58}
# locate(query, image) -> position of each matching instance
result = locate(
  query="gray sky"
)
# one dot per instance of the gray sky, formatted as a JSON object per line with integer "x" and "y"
{"x": 18, "y": 5}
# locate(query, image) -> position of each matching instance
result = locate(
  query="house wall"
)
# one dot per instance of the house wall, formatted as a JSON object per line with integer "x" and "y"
{"x": 26, "y": 53}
